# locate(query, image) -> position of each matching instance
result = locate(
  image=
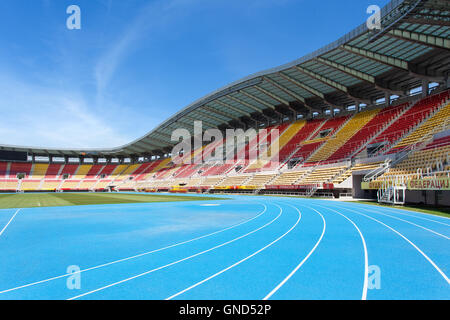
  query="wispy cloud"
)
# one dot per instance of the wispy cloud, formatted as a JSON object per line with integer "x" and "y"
{"x": 150, "y": 16}
{"x": 41, "y": 116}
{"x": 70, "y": 102}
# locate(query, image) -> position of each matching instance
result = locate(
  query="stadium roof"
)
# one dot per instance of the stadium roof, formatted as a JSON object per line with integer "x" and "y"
{"x": 361, "y": 67}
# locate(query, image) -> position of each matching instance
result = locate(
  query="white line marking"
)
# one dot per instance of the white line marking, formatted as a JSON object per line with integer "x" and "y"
{"x": 417, "y": 225}
{"x": 409, "y": 241}
{"x": 239, "y": 262}
{"x": 10, "y": 220}
{"x": 303, "y": 261}
{"x": 413, "y": 215}
{"x": 366, "y": 256}
{"x": 136, "y": 256}
{"x": 178, "y": 261}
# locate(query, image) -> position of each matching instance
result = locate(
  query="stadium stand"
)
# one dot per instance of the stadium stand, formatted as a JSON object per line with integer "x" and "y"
{"x": 9, "y": 185}
{"x": 314, "y": 143}
{"x": 50, "y": 185}
{"x": 366, "y": 134}
{"x": 351, "y": 115}
{"x": 118, "y": 170}
{"x": 264, "y": 146}
{"x": 39, "y": 170}
{"x": 194, "y": 182}
{"x": 140, "y": 170}
{"x": 86, "y": 184}
{"x": 126, "y": 173}
{"x": 210, "y": 182}
{"x": 348, "y": 130}
{"x": 94, "y": 171}
{"x": 217, "y": 170}
{"x": 290, "y": 178}
{"x": 107, "y": 170}
{"x": 304, "y": 133}
{"x": 69, "y": 185}
{"x": 81, "y": 172}
{"x": 438, "y": 122}
{"x": 4, "y": 169}
{"x": 30, "y": 185}
{"x": 409, "y": 120}
{"x": 153, "y": 167}
{"x": 321, "y": 175}
{"x": 53, "y": 171}
{"x": 433, "y": 158}
{"x": 259, "y": 180}
{"x": 69, "y": 170}
{"x": 233, "y": 181}
{"x": 102, "y": 184}
{"x": 20, "y": 168}
{"x": 311, "y": 144}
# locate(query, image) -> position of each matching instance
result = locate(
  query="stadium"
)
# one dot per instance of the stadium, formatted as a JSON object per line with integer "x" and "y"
{"x": 359, "y": 127}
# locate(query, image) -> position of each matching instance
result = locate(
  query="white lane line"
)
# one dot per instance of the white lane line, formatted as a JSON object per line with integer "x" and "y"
{"x": 366, "y": 256}
{"x": 412, "y": 223}
{"x": 138, "y": 255}
{"x": 178, "y": 261}
{"x": 413, "y": 215}
{"x": 240, "y": 261}
{"x": 303, "y": 261}
{"x": 409, "y": 241}
{"x": 10, "y": 220}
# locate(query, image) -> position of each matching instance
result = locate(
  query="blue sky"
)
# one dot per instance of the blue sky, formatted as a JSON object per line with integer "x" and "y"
{"x": 134, "y": 63}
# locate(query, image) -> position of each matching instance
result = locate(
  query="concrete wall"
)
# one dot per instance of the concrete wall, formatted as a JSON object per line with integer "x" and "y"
{"x": 358, "y": 193}
{"x": 435, "y": 198}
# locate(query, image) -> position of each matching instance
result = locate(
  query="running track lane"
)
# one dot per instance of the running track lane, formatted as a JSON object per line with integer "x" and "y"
{"x": 309, "y": 249}
{"x": 414, "y": 262}
{"x": 54, "y": 287}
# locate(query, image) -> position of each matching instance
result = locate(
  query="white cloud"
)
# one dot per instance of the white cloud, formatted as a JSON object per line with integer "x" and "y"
{"x": 49, "y": 112}
{"x": 38, "y": 116}
{"x": 150, "y": 16}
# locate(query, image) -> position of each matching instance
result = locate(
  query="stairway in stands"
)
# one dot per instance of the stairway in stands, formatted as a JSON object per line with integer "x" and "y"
{"x": 358, "y": 121}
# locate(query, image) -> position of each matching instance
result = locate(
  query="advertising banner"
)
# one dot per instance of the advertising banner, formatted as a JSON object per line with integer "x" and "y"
{"x": 414, "y": 184}
{"x": 429, "y": 184}
{"x": 374, "y": 185}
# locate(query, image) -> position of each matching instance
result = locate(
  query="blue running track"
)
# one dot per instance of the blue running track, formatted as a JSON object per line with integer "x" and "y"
{"x": 245, "y": 248}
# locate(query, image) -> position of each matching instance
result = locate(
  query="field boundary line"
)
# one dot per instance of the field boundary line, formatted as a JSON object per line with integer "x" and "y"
{"x": 10, "y": 220}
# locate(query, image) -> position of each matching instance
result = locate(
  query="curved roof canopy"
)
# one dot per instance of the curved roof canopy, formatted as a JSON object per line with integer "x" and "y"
{"x": 361, "y": 67}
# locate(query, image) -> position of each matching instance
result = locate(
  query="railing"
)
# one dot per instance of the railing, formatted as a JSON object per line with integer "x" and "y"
{"x": 406, "y": 151}
{"x": 372, "y": 175}
{"x": 423, "y": 116}
{"x": 392, "y": 195}
{"x": 301, "y": 194}
{"x": 345, "y": 195}
{"x": 404, "y": 178}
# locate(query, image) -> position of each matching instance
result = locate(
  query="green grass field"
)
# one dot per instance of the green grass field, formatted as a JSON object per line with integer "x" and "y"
{"x": 31, "y": 200}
